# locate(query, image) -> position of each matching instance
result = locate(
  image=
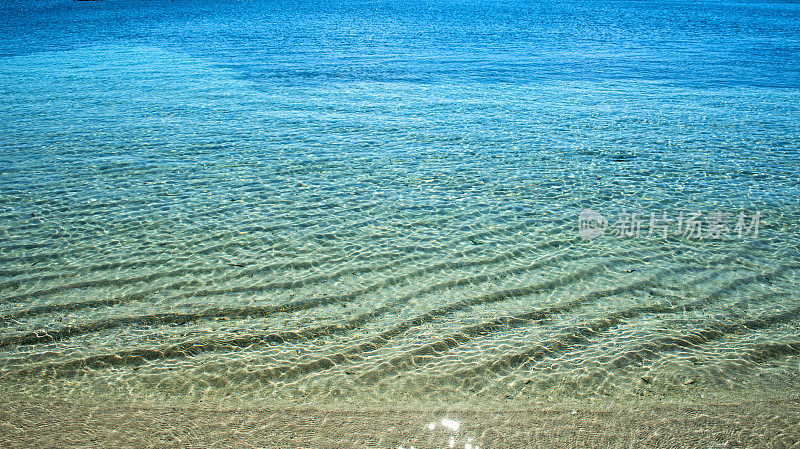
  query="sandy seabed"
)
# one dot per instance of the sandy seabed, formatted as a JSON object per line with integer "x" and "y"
{"x": 48, "y": 422}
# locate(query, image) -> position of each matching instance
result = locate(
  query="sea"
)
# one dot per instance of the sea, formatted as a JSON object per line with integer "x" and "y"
{"x": 400, "y": 201}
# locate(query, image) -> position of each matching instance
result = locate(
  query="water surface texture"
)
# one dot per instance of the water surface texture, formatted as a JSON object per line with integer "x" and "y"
{"x": 380, "y": 200}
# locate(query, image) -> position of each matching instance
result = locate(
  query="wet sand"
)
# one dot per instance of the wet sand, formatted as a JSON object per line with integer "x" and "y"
{"x": 44, "y": 422}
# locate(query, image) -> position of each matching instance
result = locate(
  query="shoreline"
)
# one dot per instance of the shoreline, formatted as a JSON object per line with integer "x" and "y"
{"x": 46, "y": 421}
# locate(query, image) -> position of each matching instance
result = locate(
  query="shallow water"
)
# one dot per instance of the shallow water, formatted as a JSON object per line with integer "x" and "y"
{"x": 370, "y": 201}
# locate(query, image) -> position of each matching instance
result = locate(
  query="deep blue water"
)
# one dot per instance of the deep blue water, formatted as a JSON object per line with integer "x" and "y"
{"x": 681, "y": 44}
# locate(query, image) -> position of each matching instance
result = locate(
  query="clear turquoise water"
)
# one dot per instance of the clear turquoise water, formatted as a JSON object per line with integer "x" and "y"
{"x": 379, "y": 200}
